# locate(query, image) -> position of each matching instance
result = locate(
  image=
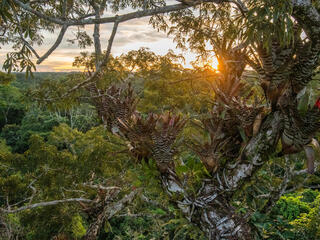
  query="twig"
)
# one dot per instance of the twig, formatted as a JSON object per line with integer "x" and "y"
{"x": 96, "y": 186}
{"x": 305, "y": 171}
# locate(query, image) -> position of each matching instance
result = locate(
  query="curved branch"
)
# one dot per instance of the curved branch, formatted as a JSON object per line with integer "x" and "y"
{"x": 55, "y": 45}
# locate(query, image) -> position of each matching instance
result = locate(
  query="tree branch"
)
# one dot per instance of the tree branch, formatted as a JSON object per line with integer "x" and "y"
{"x": 256, "y": 152}
{"x": 305, "y": 171}
{"x": 55, "y": 45}
{"x": 120, "y": 18}
{"x": 44, "y": 204}
{"x": 27, "y": 8}
{"x": 96, "y": 33}
{"x": 98, "y": 186}
{"x": 108, "y": 212}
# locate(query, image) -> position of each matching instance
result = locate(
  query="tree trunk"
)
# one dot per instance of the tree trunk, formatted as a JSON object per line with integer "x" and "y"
{"x": 211, "y": 209}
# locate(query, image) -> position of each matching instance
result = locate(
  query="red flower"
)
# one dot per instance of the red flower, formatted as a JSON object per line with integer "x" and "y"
{"x": 318, "y": 103}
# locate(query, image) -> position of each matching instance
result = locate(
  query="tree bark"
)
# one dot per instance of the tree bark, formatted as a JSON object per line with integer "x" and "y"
{"x": 211, "y": 209}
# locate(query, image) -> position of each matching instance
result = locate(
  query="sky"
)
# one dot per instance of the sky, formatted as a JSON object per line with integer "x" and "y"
{"x": 131, "y": 35}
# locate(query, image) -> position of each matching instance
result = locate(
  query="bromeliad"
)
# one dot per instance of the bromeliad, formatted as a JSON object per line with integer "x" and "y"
{"x": 299, "y": 131}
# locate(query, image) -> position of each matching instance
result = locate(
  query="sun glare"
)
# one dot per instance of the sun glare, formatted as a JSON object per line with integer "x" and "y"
{"x": 214, "y": 63}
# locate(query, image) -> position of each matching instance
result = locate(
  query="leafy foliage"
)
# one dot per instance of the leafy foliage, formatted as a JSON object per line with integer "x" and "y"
{"x": 230, "y": 180}
{"x": 295, "y": 216}
{"x": 12, "y": 108}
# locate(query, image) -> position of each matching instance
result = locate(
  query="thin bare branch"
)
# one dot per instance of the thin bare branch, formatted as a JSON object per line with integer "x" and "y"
{"x": 55, "y": 45}
{"x": 99, "y": 186}
{"x": 305, "y": 171}
{"x": 44, "y": 204}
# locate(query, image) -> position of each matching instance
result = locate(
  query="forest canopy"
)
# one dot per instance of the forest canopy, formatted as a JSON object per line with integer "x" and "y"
{"x": 138, "y": 146}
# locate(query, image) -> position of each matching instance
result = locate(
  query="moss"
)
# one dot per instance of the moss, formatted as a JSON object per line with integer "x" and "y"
{"x": 78, "y": 227}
